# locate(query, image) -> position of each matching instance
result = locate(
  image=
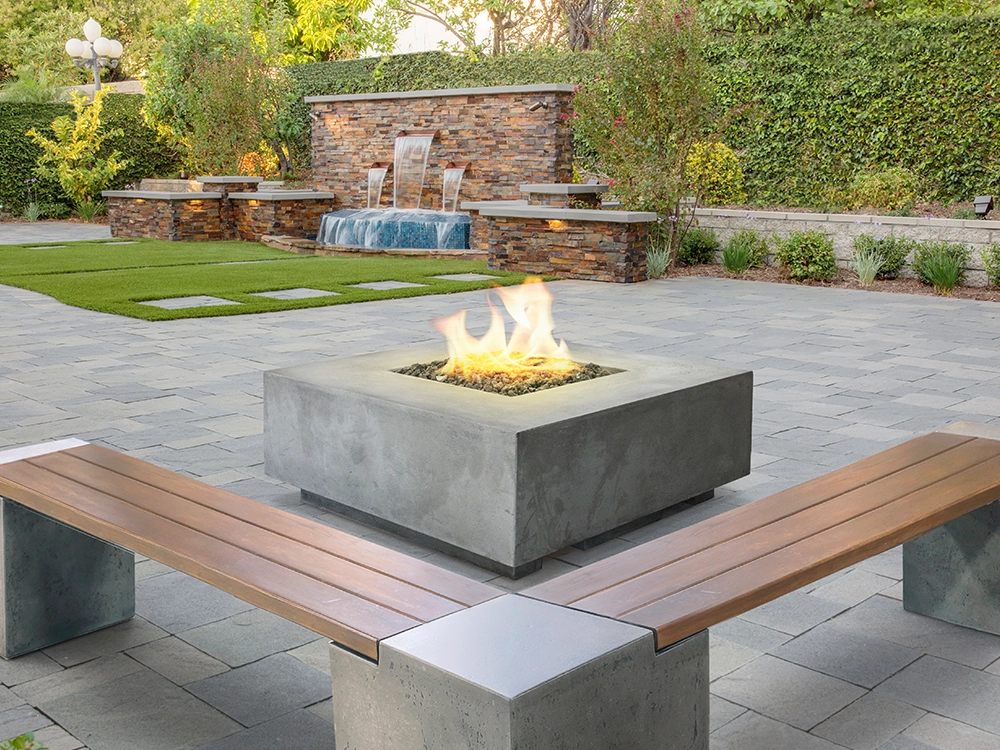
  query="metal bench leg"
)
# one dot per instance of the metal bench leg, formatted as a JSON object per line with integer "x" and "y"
{"x": 953, "y": 572}
{"x": 518, "y": 673}
{"x": 57, "y": 582}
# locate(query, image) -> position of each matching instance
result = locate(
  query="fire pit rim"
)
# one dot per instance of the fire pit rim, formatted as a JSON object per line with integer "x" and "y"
{"x": 641, "y": 376}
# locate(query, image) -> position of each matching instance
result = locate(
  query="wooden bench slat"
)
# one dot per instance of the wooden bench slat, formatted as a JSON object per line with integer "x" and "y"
{"x": 333, "y": 570}
{"x": 712, "y": 561}
{"x": 766, "y": 578}
{"x": 348, "y": 619}
{"x": 629, "y": 564}
{"x": 386, "y": 561}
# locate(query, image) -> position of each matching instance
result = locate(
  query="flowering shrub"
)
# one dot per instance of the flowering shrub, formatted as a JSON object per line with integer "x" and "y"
{"x": 714, "y": 173}
{"x": 641, "y": 114}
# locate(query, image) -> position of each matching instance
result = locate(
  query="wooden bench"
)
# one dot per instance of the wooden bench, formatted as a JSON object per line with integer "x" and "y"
{"x": 354, "y": 592}
{"x": 686, "y": 581}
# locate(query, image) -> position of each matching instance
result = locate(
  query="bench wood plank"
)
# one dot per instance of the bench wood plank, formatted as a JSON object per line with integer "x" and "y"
{"x": 344, "y": 599}
{"x": 729, "y": 564}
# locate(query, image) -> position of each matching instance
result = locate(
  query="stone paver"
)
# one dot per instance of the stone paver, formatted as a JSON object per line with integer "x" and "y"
{"x": 839, "y": 375}
{"x": 51, "y": 232}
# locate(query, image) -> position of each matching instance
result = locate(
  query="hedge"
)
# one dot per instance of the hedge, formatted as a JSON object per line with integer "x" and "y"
{"x": 805, "y": 108}
{"x": 18, "y": 153}
{"x": 825, "y": 101}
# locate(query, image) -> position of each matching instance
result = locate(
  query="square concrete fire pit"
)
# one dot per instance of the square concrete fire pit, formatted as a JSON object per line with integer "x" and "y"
{"x": 501, "y": 480}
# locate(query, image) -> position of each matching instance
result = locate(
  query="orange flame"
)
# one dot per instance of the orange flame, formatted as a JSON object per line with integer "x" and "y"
{"x": 531, "y": 351}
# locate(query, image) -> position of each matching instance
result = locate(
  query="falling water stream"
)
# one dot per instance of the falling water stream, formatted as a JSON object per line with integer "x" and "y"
{"x": 408, "y": 167}
{"x": 452, "y": 184}
{"x": 376, "y": 176}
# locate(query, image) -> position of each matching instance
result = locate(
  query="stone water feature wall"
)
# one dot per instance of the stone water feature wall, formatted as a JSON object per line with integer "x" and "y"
{"x": 507, "y": 134}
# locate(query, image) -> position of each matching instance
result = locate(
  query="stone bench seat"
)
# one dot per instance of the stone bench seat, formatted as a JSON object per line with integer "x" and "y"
{"x": 697, "y": 577}
{"x": 354, "y": 592}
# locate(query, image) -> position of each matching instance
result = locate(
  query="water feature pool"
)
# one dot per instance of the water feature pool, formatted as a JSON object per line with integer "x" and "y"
{"x": 395, "y": 227}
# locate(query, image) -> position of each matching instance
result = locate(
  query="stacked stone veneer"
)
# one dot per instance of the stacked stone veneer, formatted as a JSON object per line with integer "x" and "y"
{"x": 843, "y": 228}
{"x": 590, "y": 250}
{"x": 166, "y": 216}
{"x": 227, "y": 214}
{"x": 290, "y": 213}
{"x": 504, "y": 142}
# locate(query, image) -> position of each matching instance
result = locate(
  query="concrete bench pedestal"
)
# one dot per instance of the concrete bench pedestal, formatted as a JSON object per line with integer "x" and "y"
{"x": 519, "y": 673}
{"x": 58, "y": 583}
{"x": 952, "y": 573}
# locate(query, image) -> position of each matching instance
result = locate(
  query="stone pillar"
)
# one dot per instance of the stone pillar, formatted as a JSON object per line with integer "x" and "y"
{"x": 58, "y": 583}
{"x": 519, "y": 673}
{"x": 226, "y": 185}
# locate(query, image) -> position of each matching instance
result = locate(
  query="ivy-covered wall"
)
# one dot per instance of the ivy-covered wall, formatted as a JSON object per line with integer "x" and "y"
{"x": 18, "y": 153}
{"x": 805, "y": 108}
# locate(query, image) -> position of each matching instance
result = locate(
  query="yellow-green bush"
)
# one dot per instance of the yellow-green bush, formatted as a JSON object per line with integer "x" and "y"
{"x": 885, "y": 189}
{"x": 713, "y": 172}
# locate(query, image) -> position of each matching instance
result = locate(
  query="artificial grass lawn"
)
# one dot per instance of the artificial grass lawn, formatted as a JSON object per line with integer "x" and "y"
{"x": 114, "y": 278}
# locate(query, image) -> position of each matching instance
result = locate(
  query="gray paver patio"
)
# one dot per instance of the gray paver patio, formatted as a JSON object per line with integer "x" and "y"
{"x": 51, "y": 232}
{"x": 839, "y": 375}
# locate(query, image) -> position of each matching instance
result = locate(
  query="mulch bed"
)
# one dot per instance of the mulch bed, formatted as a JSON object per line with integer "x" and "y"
{"x": 844, "y": 280}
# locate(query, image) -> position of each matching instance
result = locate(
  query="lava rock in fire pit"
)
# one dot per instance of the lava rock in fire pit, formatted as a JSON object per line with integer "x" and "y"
{"x": 503, "y": 382}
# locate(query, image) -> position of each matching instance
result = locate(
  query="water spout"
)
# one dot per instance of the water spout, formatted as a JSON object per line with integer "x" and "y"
{"x": 452, "y": 183}
{"x": 409, "y": 167}
{"x": 376, "y": 176}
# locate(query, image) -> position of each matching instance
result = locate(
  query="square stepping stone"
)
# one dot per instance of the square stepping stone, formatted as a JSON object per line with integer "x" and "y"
{"x": 123, "y": 242}
{"x": 300, "y": 293}
{"x": 385, "y": 285}
{"x": 465, "y": 277}
{"x": 44, "y": 247}
{"x": 179, "y": 303}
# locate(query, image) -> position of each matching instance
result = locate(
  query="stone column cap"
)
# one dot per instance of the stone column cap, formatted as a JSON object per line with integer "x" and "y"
{"x": 159, "y": 195}
{"x": 562, "y": 188}
{"x": 284, "y": 195}
{"x": 555, "y": 213}
{"x": 229, "y": 178}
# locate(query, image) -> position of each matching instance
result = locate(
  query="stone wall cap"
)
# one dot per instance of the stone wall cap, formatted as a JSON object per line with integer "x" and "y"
{"x": 283, "y": 195}
{"x": 562, "y": 188}
{"x": 554, "y": 213}
{"x": 229, "y": 178}
{"x": 539, "y": 88}
{"x": 477, "y": 205}
{"x": 159, "y": 195}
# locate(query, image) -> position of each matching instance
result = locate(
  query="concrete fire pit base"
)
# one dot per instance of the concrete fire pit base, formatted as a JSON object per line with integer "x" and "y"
{"x": 499, "y": 480}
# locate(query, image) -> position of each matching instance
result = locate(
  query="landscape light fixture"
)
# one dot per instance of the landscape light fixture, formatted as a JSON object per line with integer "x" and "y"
{"x": 983, "y": 204}
{"x": 96, "y": 52}
{"x": 537, "y": 106}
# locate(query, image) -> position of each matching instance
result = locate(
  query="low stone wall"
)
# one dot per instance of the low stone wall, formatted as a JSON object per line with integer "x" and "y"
{"x": 844, "y": 228}
{"x": 290, "y": 213}
{"x": 165, "y": 216}
{"x": 571, "y": 243}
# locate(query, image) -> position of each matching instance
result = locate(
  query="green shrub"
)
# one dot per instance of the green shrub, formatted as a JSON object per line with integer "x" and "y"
{"x": 893, "y": 189}
{"x": 745, "y": 249}
{"x": 867, "y": 262}
{"x": 698, "y": 246}
{"x": 991, "y": 259}
{"x": 713, "y": 172}
{"x": 807, "y": 255}
{"x": 941, "y": 264}
{"x": 24, "y": 741}
{"x": 657, "y": 260}
{"x": 892, "y": 249}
